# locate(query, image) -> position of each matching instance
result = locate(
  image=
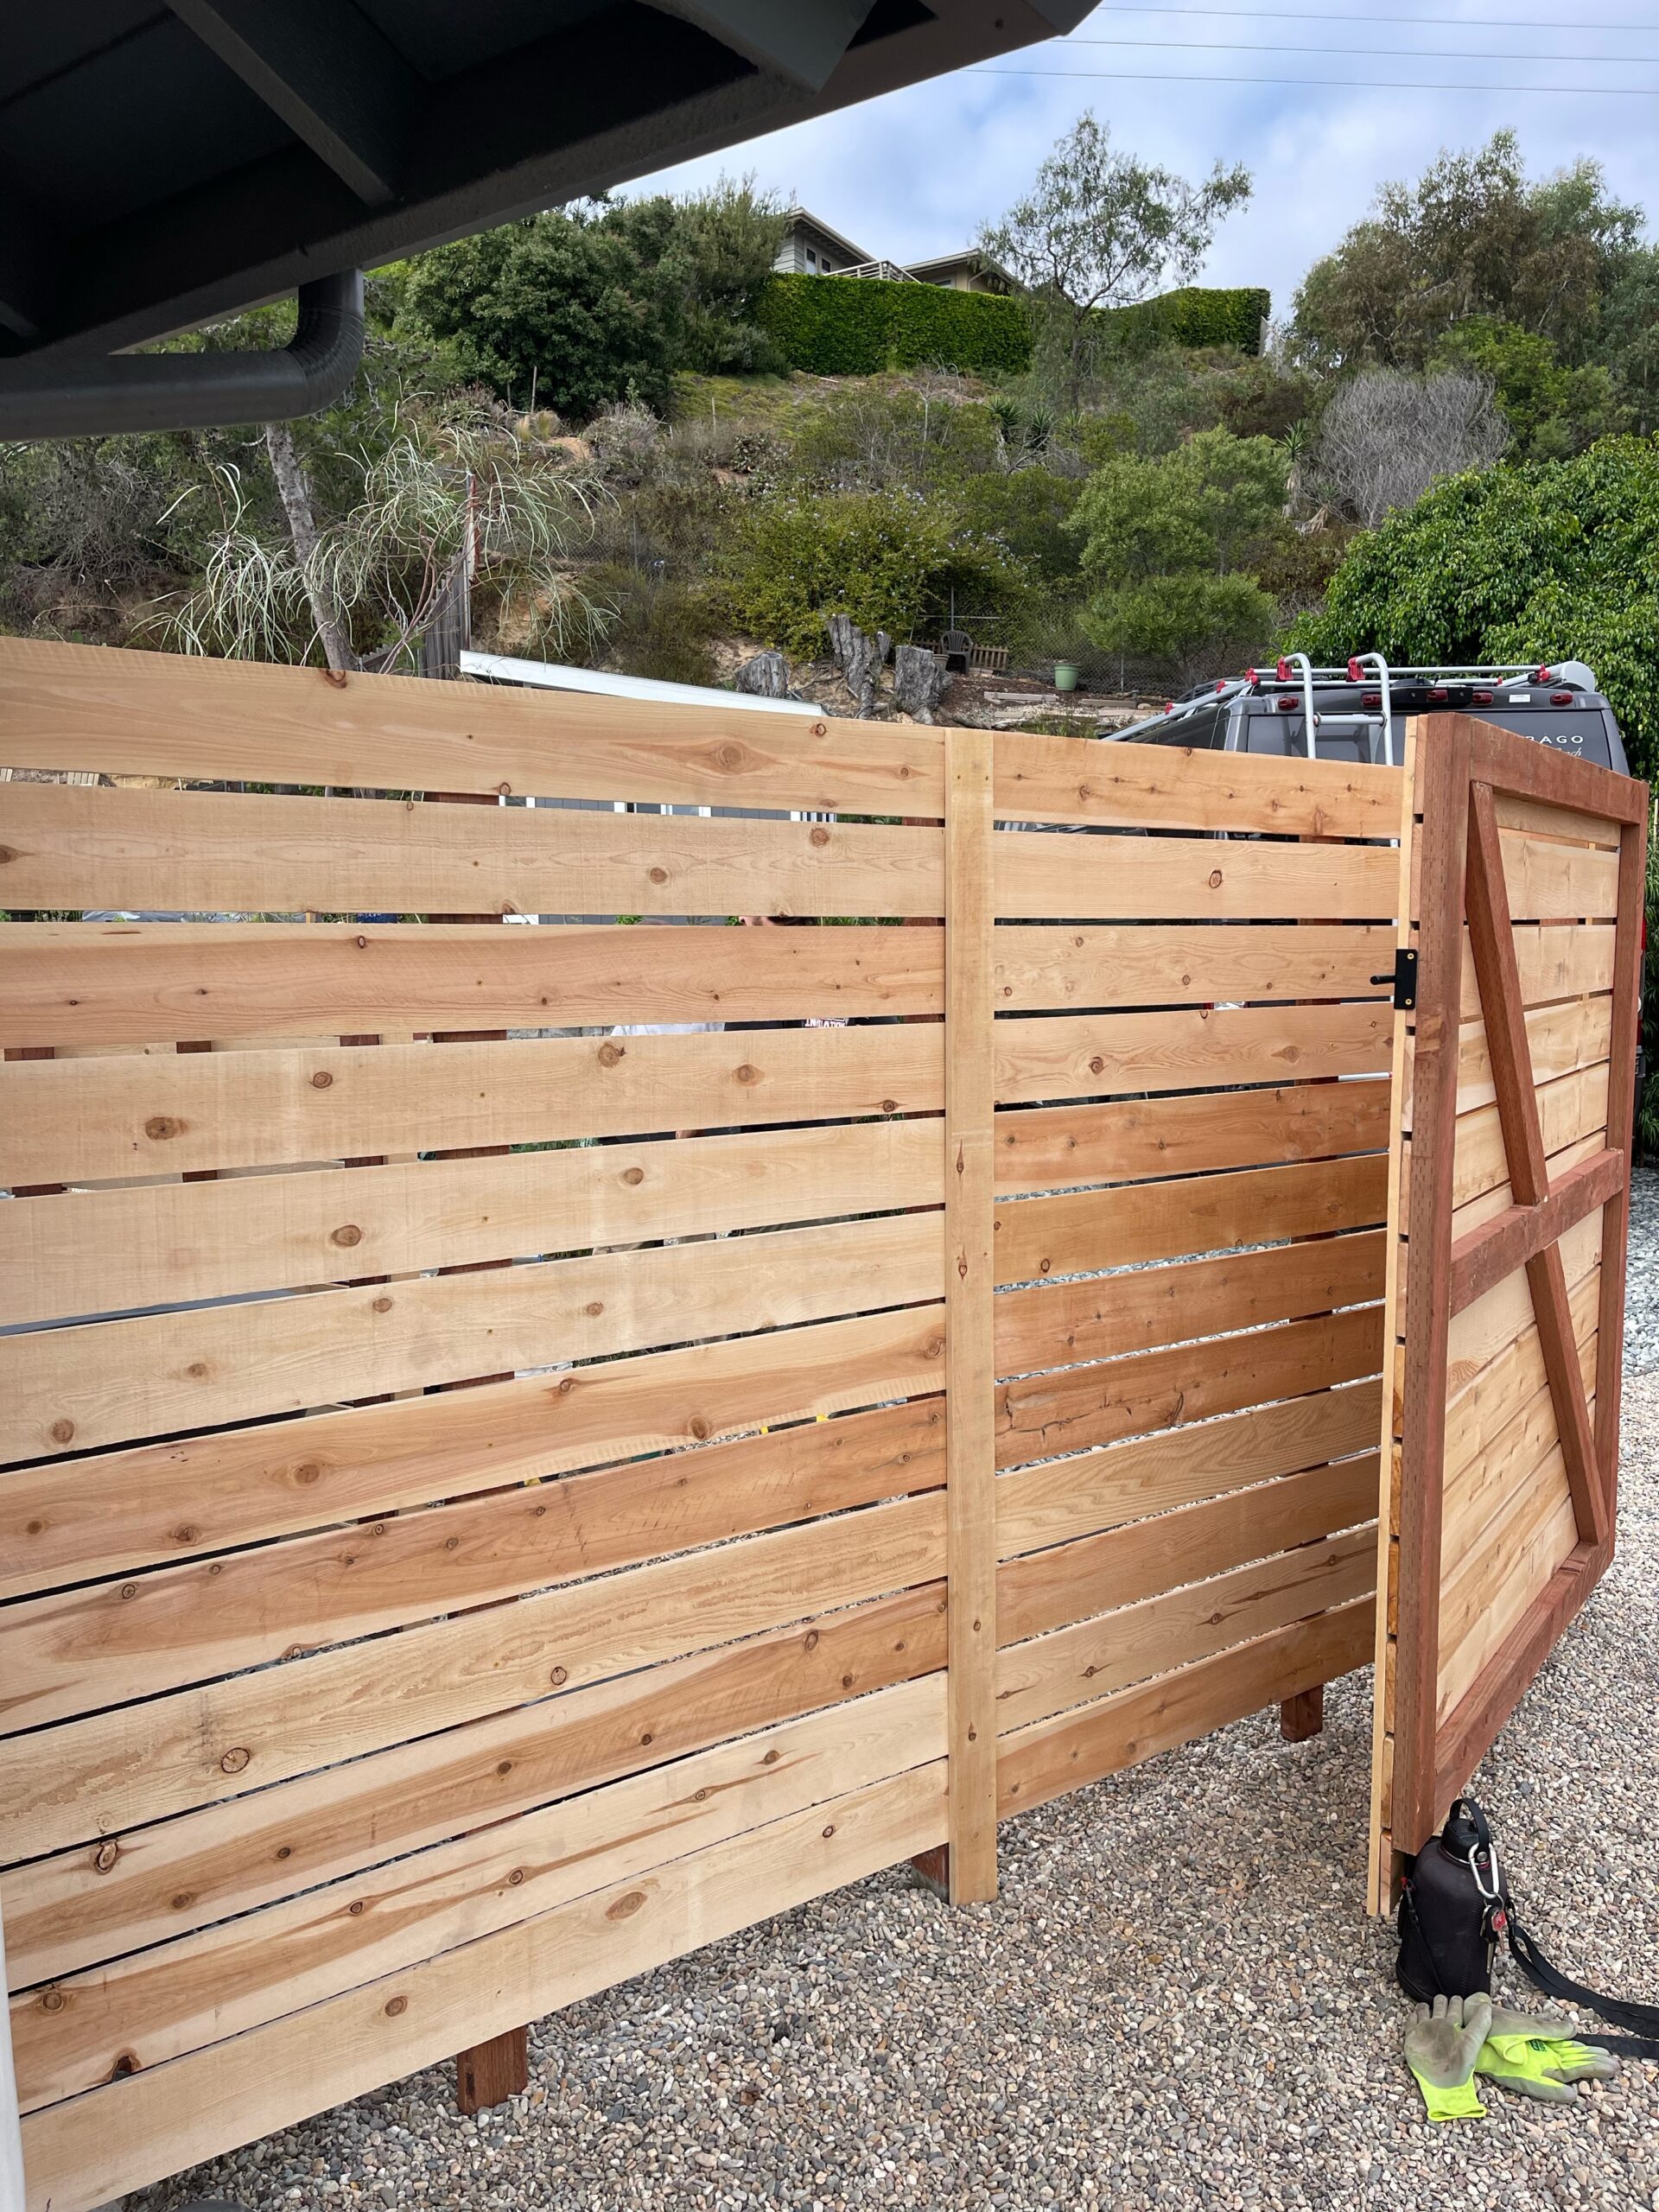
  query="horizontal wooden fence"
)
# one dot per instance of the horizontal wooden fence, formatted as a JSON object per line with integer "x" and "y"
{"x": 583, "y": 1367}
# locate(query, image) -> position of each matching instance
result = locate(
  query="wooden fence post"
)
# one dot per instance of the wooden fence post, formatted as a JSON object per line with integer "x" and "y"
{"x": 970, "y": 1281}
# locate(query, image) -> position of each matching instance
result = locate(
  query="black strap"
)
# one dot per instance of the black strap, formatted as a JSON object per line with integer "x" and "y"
{"x": 1641, "y": 2020}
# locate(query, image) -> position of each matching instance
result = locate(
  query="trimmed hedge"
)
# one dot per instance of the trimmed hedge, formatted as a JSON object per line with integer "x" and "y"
{"x": 857, "y": 326}
{"x": 1201, "y": 315}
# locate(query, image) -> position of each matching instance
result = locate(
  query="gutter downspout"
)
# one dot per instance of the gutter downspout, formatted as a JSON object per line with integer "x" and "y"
{"x": 194, "y": 391}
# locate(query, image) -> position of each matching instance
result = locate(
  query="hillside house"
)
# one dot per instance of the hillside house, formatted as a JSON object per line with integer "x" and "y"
{"x": 812, "y": 247}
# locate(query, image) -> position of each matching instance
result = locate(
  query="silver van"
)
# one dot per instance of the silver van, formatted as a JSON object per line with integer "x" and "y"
{"x": 1358, "y": 713}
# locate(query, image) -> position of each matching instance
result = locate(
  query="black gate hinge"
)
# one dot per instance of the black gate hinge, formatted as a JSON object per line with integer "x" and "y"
{"x": 1403, "y": 977}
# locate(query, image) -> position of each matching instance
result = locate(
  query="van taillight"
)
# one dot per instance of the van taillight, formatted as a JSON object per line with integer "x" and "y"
{"x": 1371, "y": 698}
{"x": 1287, "y": 706}
{"x": 1481, "y": 698}
{"x": 1439, "y": 691}
{"x": 1560, "y": 698}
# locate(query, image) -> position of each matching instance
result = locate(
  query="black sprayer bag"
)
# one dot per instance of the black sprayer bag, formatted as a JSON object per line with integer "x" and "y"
{"x": 1451, "y": 1911}
{"x": 1454, "y": 1909}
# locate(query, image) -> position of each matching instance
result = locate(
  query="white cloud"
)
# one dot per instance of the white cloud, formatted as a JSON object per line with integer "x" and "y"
{"x": 917, "y": 172}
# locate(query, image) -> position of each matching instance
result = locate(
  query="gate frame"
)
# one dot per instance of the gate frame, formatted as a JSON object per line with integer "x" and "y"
{"x": 1460, "y": 765}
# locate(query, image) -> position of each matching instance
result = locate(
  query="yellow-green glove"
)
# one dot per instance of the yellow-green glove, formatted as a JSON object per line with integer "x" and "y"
{"x": 1540, "y": 2057}
{"x": 1442, "y": 2044}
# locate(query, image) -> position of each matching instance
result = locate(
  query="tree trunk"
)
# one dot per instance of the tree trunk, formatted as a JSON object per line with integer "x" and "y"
{"x": 859, "y": 658}
{"x": 765, "y": 675}
{"x": 919, "y": 681}
{"x": 295, "y": 491}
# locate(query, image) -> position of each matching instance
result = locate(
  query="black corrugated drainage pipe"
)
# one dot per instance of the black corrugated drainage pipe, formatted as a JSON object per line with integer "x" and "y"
{"x": 194, "y": 391}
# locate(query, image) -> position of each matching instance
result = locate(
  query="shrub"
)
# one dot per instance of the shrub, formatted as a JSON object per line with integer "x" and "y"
{"x": 857, "y": 326}
{"x": 1192, "y": 621}
{"x": 885, "y": 558}
{"x": 1199, "y": 314}
{"x": 1548, "y": 561}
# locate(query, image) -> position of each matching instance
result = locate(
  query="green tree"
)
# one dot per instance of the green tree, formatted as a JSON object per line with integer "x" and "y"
{"x": 590, "y": 305}
{"x": 1472, "y": 237}
{"x": 1628, "y": 338}
{"x": 1164, "y": 541}
{"x": 1552, "y": 410}
{"x": 560, "y": 303}
{"x": 1099, "y": 229}
{"x": 1198, "y": 509}
{"x": 728, "y": 239}
{"x": 1546, "y": 560}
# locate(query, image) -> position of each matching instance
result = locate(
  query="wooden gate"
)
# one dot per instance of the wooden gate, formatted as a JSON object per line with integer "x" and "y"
{"x": 1514, "y": 1084}
{"x": 525, "y": 1448}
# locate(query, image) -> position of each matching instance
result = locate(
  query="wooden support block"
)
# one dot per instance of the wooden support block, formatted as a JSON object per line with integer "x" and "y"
{"x": 934, "y": 1866}
{"x": 1303, "y": 1715}
{"x": 492, "y": 2072}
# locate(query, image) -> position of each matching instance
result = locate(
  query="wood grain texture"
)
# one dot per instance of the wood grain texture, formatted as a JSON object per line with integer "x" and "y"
{"x": 487, "y": 2074}
{"x": 1085, "y": 1744}
{"x": 79, "y": 1650}
{"x": 1094, "y": 1575}
{"x": 1203, "y": 878}
{"x": 1565, "y": 1036}
{"x": 115, "y": 1381}
{"x": 205, "y": 851}
{"x": 1553, "y": 963}
{"x": 146, "y": 1885}
{"x": 1075, "y": 1230}
{"x": 1143, "y": 1139}
{"x": 1379, "y": 1867}
{"x": 1055, "y": 1501}
{"x": 1518, "y": 1235}
{"x": 970, "y": 1281}
{"x": 88, "y": 1777}
{"x": 1051, "y": 1325}
{"x": 124, "y": 1114}
{"x": 1079, "y": 780}
{"x": 1074, "y": 1408}
{"x": 1056, "y": 969}
{"x": 1091, "y": 1659}
{"x": 139, "y": 984}
{"x": 1621, "y": 1106}
{"x": 110, "y": 1513}
{"x": 184, "y": 1995}
{"x": 119, "y": 1248}
{"x": 1505, "y": 1520}
{"x": 1111, "y": 1055}
{"x": 151, "y": 714}
{"x": 1439, "y": 853}
{"x": 83, "y": 2151}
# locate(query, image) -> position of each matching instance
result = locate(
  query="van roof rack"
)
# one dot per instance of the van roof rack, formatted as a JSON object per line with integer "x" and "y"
{"x": 1370, "y": 669}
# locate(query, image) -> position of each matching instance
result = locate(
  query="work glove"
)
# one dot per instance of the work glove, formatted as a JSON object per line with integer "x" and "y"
{"x": 1540, "y": 2057}
{"x": 1442, "y": 2044}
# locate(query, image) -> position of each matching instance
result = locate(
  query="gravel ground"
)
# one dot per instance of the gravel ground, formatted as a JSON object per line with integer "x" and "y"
{"x": 1175, "y": 2002}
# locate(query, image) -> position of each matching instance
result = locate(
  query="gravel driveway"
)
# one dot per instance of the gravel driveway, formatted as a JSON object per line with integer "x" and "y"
{"x": 1175, "y": 2002}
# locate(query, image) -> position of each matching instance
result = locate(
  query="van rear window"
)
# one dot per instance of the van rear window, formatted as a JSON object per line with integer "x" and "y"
{"x": 1282, "y": 733}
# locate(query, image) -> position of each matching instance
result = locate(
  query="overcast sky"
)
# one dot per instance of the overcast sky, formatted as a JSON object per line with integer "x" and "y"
{"x": 916, "y": 172}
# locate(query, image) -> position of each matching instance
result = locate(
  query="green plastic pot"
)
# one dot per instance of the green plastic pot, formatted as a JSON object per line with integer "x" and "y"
{"x": 1065, "y": 676}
